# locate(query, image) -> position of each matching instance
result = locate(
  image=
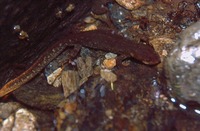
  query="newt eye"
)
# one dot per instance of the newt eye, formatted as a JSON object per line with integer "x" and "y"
{"x": 182, "y": 68}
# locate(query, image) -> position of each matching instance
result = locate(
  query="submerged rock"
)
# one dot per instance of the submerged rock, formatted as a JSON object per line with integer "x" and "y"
{"x": 22, "y": 119}
{"x": 182, "y": 68}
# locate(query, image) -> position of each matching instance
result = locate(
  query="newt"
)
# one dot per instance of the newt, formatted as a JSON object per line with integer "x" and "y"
{"x": 59, "y": 38}
{"x": 97, "y": 39}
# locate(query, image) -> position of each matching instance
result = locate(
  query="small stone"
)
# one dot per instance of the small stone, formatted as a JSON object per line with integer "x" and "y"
{"x": 109, "y": 113}
{"x": 164, "y": 52}
{"x": 17, "y": 28}
{"x": 7, "y": 124}
{"x": 70, "y": 82}
{"x": 108, "y": 75}
{"x": 110, "y": 55}
{"x": 59, "y": 13}
{"x": 6, "y": 109}
{"x": 126, "y": 62}
{"x": 89, "y": 20}
{"x": 57, "y": 82}
{"x": 23, "y": 35}
{"x": 70, "y": 8}
{"x": 90, "y": 27}
{"x": 162, "y": 45}
{"x": 109, "y": 63}
{"x": 22, "y": 120}
{"x": 70, "y": 107}
{"x": 84, "y": 66}
{"x": 102, "y": 91}
{"x": 61, "y": 115}
{"x": 52, "y": 77}
{"x": 131, "y": 4}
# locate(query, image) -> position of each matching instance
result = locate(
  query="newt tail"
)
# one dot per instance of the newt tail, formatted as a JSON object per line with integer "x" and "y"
{"x": 30, "y": 73}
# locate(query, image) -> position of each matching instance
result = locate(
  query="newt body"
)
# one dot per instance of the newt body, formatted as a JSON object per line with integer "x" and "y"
{"x": 98, "y": 39}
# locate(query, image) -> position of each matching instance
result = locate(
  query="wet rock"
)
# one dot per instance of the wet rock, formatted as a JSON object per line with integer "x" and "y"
{"x": 89, "y": 20}
{"x": 108, "y": 75}
{"x": 109, "y": 63}
{"x": 182, "y": 67}
{"x": 70, "y": 82}
{"x": 110, "y": 55}
{"x": 14, "y": 116}
{"x": 52, "y": 77}
{"x": 8, "y": 108}
{"x": 109, "y": 113}
{"x": 21, "y": 120}
{"x": 16, "y": 28}
{"x": 23, "y": 35}
{"x": 24, "y": 120}
{"x": 84, "y": 66}
{"x": 162, "y": 45}
{"x": 70, "y": 8}
{"x": 90, "y": 27}
{"x": 57, "y": 82}
{"x": 131, "y": 4}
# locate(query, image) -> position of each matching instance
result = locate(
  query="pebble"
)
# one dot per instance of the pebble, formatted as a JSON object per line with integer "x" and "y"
{"x": 59, "y": 13}
{"x": 70, "y": 82}
{"x": 164, "y": 52}
{"x": 89, "y": 20}
{"x": 108, "y": 75}
{"x": 109, "y": 113}
{"x": 109, "y": 63}
{"x": 84, "y": 66}
{"x": 126, "y": 62}
{"x": 70, "y": 8}
{"x": 53, "y": 76}
{"x": 70, "y": 107}
{"x": 110, "y": 55}
{"x": 90, "y": 27}
{"x": 162, "y": 45}
{"x": 6, "y": 109}
{"x": 22, "y": 120}
{"x": 17, "y": 28}
{"x": 57, "y": 82}
{"x": 23, "y": 35}
{"x": 131, "y": 4}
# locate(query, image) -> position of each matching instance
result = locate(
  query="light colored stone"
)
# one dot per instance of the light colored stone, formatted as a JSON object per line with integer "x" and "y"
{"x": 52, "y": 77}
{"x": 108, "y": 75}
{"x": 21, "y": 120}
{"x": 131, "y": 4}
{"x": 70, "y": 82}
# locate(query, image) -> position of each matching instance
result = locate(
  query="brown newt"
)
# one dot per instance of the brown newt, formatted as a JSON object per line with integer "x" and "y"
{"x": 97, "y": 39}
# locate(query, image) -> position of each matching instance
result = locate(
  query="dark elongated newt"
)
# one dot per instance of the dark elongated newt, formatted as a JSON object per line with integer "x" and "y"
{"x": 97, "y": 39}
